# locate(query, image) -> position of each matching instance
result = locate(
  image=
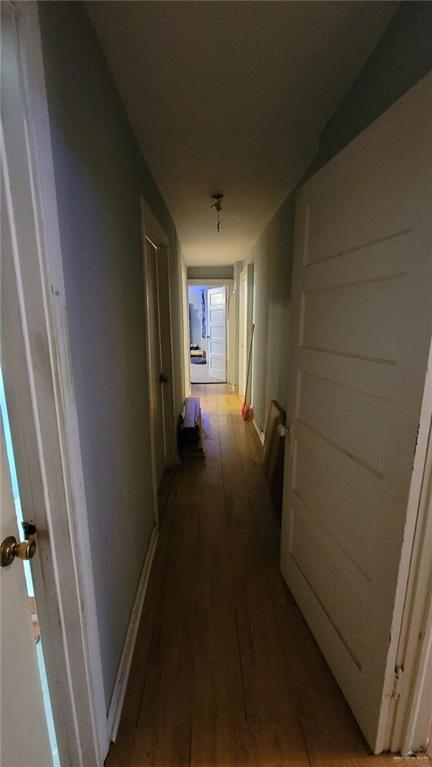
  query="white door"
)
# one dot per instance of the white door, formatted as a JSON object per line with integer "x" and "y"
{"x": 24, "y": 738}
{"x": 24, "y": 734}
{"x": 216, "y": 322}
{"x": 157, "y": 424}
{"x": 243, "y": 314}
{"x": 35, "y": 361}
{"x": 362, "y": 301}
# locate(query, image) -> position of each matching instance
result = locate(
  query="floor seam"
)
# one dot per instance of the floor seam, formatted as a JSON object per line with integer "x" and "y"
{"x": 241, "y": 666}
{"x": 306, "y": 745}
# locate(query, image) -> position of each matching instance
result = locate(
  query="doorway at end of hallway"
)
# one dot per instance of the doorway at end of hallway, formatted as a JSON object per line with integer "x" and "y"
{"x": 207, "y": 334}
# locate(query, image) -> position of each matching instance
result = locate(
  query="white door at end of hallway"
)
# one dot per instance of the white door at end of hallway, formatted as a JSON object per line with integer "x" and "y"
{"x": 217, "y": 333}
{"x": 23, "y": 725}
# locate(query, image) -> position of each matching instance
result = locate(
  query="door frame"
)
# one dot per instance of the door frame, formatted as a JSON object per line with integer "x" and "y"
{"x": 152, "y": 232}
{"x": 51, "y": 476}
{"x": 185, "y": 330}
{"x": 230, "y": 319}
{"x": 409, "y": 659}
{"x": 245, "y": 324}
{"x": 412, "y": 715}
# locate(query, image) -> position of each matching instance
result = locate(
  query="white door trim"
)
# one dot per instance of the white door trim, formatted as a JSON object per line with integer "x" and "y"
{"x": 243, "y": 302}
{"x": 246, "y": 276}
{"x": 413, "y": 710}
{"x": 415, "y": 569}
{"x": 122, "y": 678}
{"x": 64, "y": 587}
{"x": 151, "y": 230}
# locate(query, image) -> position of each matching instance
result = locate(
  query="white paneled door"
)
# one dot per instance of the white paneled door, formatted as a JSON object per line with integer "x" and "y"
{"x": 217, "y": 332}
{"x": 359, "y": 347}
{"x": 23, "y": 726}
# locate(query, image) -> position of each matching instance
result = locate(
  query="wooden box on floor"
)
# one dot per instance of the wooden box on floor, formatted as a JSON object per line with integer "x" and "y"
{"x": 190, "y": 431}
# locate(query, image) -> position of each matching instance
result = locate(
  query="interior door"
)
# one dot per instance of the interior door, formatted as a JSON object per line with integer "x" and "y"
{"x": 24, "y": 736}
{"x": 217, "y": 332}
{"x": 155, "y": 363}
{"x": 24, "y": 733}
{"x": 360, "y": 336}
{"x": 243, "y": 313}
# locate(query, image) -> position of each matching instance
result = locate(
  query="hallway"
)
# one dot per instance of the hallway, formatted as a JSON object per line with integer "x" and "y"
{"x": 225, "y": 670}
{"x": 273, "y": 162}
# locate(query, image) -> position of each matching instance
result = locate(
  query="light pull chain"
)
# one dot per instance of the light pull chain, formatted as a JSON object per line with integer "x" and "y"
{"x": 217, "y": 205}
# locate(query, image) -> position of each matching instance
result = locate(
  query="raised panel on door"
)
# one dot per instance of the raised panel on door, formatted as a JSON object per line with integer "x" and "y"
{"x": 359, "y": 346}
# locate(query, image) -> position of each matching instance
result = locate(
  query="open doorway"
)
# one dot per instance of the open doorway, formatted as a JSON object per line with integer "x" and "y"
{"x": 207, "y": 334}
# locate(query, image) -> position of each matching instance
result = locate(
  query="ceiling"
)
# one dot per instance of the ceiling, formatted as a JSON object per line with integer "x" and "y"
{"x": 231, "y": 97}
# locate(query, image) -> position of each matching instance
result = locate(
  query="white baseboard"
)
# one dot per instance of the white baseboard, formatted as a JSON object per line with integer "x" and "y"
{"x": 118, "y": 696}
{"x": 259, "y": 431}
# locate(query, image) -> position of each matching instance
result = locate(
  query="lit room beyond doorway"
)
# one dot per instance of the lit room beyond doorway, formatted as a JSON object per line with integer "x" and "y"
{"x": 207, "y": 334}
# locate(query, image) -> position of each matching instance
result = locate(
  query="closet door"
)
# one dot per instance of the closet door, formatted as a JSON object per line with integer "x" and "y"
{"x": 360, "y": 339}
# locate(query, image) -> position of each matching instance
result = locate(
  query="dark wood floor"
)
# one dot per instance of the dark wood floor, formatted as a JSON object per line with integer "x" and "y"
{"x": 225, "y": 670}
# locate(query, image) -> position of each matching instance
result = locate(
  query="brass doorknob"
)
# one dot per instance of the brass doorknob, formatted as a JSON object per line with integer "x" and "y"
{"x": 10, "y": 548}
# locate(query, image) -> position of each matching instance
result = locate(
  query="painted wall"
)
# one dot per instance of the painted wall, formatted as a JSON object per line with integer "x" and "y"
{"x": 100, "y": 176}
{"x": 210, "y": 272}
{"x": 401, "y": 58}
{"x": 272, "y": 258}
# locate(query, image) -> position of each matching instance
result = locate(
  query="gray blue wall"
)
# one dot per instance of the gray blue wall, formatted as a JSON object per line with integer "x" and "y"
{"x": 401, "y": 58}
{"x": 100, "y": 175}
{"x": 272, "y": 256}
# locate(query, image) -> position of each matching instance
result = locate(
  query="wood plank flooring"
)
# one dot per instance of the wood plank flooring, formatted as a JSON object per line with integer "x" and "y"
{"x": 225, "y": 670}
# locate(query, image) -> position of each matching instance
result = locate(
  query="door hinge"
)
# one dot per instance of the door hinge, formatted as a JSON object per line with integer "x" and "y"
{"x": 397, "y": 682}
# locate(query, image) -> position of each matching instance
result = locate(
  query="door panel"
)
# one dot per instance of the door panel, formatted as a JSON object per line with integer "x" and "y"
{"x": 245, "y": 327}
{"x": 243, "y": 332}
{"x": 359, "y": 344}
{"x": 217, "y": 333}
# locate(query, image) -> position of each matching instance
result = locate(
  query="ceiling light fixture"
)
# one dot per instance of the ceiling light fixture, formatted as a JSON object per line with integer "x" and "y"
{"x": 217, "y": 206}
